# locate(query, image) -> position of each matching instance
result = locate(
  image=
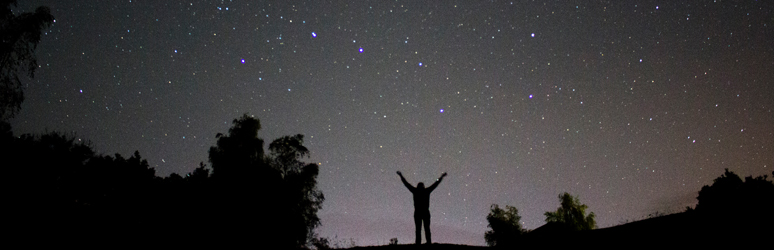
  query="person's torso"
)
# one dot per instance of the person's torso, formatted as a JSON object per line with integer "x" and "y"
{"x": 422, "y": 199}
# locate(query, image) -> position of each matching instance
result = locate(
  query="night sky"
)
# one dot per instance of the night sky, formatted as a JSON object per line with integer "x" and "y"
{"x": 631, "y": 106}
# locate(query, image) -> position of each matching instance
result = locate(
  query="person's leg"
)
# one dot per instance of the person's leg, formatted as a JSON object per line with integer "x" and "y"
{"x": 427, "y": 227}
{"x": 418, "y": 224}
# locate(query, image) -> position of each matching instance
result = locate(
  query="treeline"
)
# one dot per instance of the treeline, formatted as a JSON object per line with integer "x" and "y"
{"x": 58, "y": 188}
{"x": 730, "y": 212}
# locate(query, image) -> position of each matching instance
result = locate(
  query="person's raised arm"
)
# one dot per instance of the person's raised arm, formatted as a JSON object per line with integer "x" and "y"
{"x": 436, "y": 183}
{"x": 405, "y": 183}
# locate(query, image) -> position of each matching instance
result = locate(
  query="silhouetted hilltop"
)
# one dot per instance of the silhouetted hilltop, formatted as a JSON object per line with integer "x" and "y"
{"x": 418, "y": 247}
{"x": 691, "y": 228}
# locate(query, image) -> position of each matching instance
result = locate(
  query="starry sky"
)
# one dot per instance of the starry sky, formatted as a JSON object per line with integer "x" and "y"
{"x": 630, "y": 106}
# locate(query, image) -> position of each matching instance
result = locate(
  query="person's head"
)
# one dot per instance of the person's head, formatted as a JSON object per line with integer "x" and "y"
{"x": 421, "y": 185}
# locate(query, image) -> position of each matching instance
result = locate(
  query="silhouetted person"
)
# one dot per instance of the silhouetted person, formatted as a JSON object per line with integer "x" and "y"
{"x": 421, "y": 206}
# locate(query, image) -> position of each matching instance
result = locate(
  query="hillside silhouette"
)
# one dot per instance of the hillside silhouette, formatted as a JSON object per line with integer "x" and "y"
{"x": 435, "y": 246}
{"x": 730, "y": 212}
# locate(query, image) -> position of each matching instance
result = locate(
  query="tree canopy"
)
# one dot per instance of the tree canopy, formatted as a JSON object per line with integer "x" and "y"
{"x": 19, "y": 36}
{"x": 273, "y": 193}
{"x": 59, "y": 182}
{"x": 572, "y": 214}
{"x": 239, "y": 152}
{"x": 729, "y": 196}
{"x": 505, "y": 226}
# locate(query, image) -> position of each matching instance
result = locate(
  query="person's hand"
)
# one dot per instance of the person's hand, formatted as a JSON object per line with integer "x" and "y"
{"x": 399, "y": 173}
{"x": 443, "y": 175}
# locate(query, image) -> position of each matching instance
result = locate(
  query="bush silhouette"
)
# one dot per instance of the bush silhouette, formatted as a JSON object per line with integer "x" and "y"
{"x": 735, "y": 201}
{"x": 505, "y": 226}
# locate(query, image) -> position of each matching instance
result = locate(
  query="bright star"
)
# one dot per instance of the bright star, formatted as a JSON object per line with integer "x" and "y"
{"x": 314, "y": 34}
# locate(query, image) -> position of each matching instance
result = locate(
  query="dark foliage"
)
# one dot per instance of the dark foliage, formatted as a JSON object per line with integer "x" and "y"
{"x": 272, "y": 197}
{"x": 572, "y": 214}
{"x": 57, "y": 185}
{"x": 505, "y": 227}
{"x": 60, "y": 189}
{"x": 19, "y": 36}
{"x": 732, "y": 199}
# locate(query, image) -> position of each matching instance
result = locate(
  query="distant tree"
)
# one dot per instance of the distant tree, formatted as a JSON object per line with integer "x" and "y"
{"x": 19, "y": 36}
{"x": 572, "y": 214}
{"x": 505, "y": 226}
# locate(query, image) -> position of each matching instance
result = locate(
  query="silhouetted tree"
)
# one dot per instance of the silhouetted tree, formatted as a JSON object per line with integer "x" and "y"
{"x": 572, "y": 214}
{"x": 40, "y": 170}
{"x": 303, "y": 198}
{"x": 240, "y": 152}
{"x": 276, "y": 194}
{"x": 121, "y": 190}
{"x": 19, "y": 36}
{"x": 735, "y": 200}
{"x": 200, "y": 174}
{"x": 321, "y": 243}
{"x": 505, "y": 226}
{"x": 722, "y": 191}
{"x": 57, "y": 183}
{"x": 38, "y": 181}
